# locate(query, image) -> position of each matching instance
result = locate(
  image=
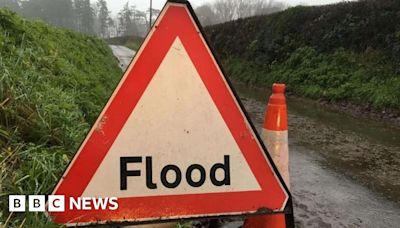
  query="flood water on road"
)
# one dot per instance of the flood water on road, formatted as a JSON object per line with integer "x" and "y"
{"x": 123, "y": 54}
{"x": 344, "y": 171}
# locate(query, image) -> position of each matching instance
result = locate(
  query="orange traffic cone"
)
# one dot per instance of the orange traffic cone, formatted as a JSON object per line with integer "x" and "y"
{"x": 275, "y": 136}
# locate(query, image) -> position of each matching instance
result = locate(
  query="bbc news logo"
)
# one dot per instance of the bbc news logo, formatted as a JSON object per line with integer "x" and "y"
{"x": 57, "y": 203}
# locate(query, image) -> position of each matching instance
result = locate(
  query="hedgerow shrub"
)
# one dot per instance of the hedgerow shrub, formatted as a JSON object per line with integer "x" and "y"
{"x": 342, "y": 75}
{"x": 346, "y": 51}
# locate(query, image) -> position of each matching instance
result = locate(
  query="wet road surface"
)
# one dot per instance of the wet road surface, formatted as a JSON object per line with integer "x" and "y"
{"x": 323, "y": 197}
{"x": 123, "y": 54}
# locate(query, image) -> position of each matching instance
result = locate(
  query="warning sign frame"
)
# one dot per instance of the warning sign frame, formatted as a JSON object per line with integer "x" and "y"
{"x": 287, "y": 206}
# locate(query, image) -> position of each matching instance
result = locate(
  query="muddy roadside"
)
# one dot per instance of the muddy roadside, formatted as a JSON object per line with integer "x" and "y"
{"x": 366, "y": 151}
{"x": 339, "y": 178}
{"x": 388, "y": 116}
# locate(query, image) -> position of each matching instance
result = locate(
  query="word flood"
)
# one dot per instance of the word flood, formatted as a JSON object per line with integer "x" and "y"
{"x": 177, "y": 173}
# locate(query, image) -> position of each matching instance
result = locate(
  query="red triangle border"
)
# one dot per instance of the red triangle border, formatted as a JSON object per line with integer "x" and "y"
{"x": 274, "y": 194}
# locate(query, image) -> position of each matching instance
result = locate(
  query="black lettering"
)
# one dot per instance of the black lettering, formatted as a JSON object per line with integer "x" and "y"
{"x": 164, "y": 172}
{"x": 225, "y": 168}
{"x": 124, "y": 172}
{"x": 189, "y": 172}
{"x": 17, "y": 203}
{"x": 149, "y": 174}
{"x": 36, "y": 203}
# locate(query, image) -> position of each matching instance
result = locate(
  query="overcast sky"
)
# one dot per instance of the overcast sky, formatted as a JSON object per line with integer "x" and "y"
{"x": 116, "y": 5}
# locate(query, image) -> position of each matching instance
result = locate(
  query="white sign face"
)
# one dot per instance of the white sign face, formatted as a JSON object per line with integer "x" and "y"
{"x": 177, "y": 110}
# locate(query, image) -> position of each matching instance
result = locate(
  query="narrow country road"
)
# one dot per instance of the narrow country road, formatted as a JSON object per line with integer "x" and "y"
{"x": 123, "y": 54}
{"x": 325, "y": 195}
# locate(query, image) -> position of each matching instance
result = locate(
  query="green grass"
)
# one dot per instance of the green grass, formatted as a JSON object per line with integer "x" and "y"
{"x": 367, "y": 78}
{"x": 53, "y": 84}
{"x": 342, "y": 52}
{"x": 184, "y": 225}
{"x": 131, "y": 42}
{"x": 133, "y": 45}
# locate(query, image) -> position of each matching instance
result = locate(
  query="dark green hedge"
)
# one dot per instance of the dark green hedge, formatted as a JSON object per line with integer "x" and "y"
{"x": 347, "y": 51}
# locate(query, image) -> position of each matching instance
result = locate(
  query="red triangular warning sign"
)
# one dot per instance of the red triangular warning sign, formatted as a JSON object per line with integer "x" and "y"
{"x": 172, "y": 141}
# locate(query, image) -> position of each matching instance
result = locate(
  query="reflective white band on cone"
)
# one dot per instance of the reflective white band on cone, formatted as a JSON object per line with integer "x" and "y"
{"x": 277, "y": 145}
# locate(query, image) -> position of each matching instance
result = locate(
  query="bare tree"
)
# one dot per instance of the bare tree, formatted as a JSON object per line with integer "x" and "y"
{"x": 206, "y": 14}
{"x": 228, "y": 10}
{"x": 225, "y": 10}
{"x": 244, "y": 8}
{"x": 262, "y": 7}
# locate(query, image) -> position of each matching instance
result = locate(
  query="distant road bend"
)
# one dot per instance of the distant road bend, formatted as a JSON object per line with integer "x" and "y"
{"x": 123, "y": 54}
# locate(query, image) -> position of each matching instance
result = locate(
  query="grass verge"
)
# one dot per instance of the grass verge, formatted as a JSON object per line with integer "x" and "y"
{"x": 53, "y": 85}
